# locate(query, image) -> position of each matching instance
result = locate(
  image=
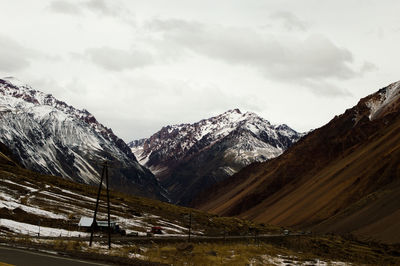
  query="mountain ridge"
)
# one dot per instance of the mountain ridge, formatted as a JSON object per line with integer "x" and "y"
{"x": 52, "y": 137}
{"x": 188, "y": 158}
{"x": 332, "y": 180}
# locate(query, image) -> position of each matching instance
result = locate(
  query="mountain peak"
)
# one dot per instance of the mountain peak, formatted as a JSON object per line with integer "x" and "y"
{"x": 15, "y": 82}
{"x": 385, "y": 101}
{"x": 236, "y": 110}
{"x": 52, "y": 137}
{"x": 211, "y": 150}
{"x": 232, "y": 114}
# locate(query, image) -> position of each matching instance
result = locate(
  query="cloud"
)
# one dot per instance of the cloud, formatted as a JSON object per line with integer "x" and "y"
{"x": 65, "y": 7}
{"x": 312, "y": 60}
{"x": 324, "y": 88}
{"x": 13, "y": 56}
{"x": 176, "y": 101}
{"x": 117, "y": 59}
{"x": 316, "y": 57}
{"x": 176, "y": 25}
{"x": 290, "y": 21}
{"x": 106, "y": 8}
{"x": 368, "y": 67}
{"x": 103, "y": 7}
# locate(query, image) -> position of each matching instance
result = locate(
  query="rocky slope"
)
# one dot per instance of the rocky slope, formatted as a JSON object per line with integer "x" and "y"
{"x": 33, "y": 205}
{"x": 52, "y": 137}
{"x": 188, "y": 158}
{"x": 343, "y": 177}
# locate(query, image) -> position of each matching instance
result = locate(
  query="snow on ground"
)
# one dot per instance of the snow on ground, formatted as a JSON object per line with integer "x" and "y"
{"x": 17, "y": 184}
{"x": 54, "y": 195}
{"x": 7, "y": 201}
{"x": 33, "y": 230}
{"x": 137, "y": 256}
{"x": 66, "y": 200}
{"x": 68, "y": 208}
{"x": 88, "y": 198}
{"x": 126, "y": 223}
{"x": 129, "y": 224}
{"x": 173, "y": 227}
{"x": 180, "y": 230}
{"x": 168, "y": 228}
{"x": 285, "y": 260}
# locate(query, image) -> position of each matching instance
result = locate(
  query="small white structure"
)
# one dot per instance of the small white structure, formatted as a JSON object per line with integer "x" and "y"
{"x": 85, "y": 222}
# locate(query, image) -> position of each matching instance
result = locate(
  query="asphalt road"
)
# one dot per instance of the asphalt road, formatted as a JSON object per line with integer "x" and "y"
{"x": 172, "y": 239}
{"x": 19, "y": 257}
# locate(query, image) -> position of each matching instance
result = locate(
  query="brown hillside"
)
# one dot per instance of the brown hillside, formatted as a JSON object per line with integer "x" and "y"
{"x": 343, "y": 177}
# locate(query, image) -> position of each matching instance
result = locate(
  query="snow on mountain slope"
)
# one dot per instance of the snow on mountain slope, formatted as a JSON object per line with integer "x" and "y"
{"x": 262, "y": 140}
{"x": 225, "y": 144}
{"x": 51, "y": 137}
{"x": 384, "y": 101}
{"x": 267, "y": 141}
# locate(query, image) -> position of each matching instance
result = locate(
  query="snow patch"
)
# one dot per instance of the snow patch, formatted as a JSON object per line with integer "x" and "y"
{"x": 385, "y": 98}
{"x": 33, "y": 230}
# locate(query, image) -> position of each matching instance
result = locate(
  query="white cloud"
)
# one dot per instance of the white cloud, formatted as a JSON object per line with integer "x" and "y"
{"x": 117, "y": 59}
{"x": 64, "y": 7}
{"x": 13, "y": 56}
{"x": 103, "y": 7}
{"x": 312, "y": 60}
{"x": 290, "y": 21}
{"x": 139, "y": 65}
{"x": 107, "y": 8}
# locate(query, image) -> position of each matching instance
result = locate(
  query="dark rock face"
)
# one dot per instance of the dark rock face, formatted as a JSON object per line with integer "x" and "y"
{"x": 189, "y": 158}
{"x": 51, "y": 137}
{"x": 343, "y": 177}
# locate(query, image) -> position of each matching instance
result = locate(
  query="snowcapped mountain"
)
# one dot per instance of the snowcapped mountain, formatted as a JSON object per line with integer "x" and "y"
{"x": 187, "y": 158}
{"x": 52, "y": 137}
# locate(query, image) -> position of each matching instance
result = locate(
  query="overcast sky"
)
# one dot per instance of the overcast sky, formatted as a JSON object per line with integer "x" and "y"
{"x": 141, "y": 65}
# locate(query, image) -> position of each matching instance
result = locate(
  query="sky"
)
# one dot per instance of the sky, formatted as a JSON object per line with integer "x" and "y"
{"x": 140, "y": 65}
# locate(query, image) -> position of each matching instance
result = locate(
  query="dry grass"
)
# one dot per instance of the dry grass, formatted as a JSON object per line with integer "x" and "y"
{"x": 69, "y": 245}
{"x": 221, "y": 254}
{"x": 246, "y": 252}
{"x": 123, "y": 205}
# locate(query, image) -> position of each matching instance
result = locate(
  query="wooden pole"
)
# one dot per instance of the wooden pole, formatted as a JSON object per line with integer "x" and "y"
{"x": 97, "y": 205}
{"x": 108, "y": 207}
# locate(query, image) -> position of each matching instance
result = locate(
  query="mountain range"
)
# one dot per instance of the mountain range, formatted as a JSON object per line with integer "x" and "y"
{"x": 189, "y": 158}
{"x": 341, "y": 178}
{"x": 362, "y": 154}
{"x": 51, "y": 137}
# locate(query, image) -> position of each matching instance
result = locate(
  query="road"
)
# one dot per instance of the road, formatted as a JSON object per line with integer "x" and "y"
{"x": 182, "y": 238}
{"x": 19, "y": 257}
{"x": 200, "y": 238}
{"x": 176, "y": 237}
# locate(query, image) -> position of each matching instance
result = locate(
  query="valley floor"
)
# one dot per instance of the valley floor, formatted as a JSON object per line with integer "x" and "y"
{"x": 284, "y": 250}
{"x": 41, "y": 212}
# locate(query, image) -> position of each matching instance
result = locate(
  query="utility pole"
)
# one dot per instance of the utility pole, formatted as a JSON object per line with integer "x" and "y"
{"x": 104, "y": 173}
{"x": 108, "y": 207}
